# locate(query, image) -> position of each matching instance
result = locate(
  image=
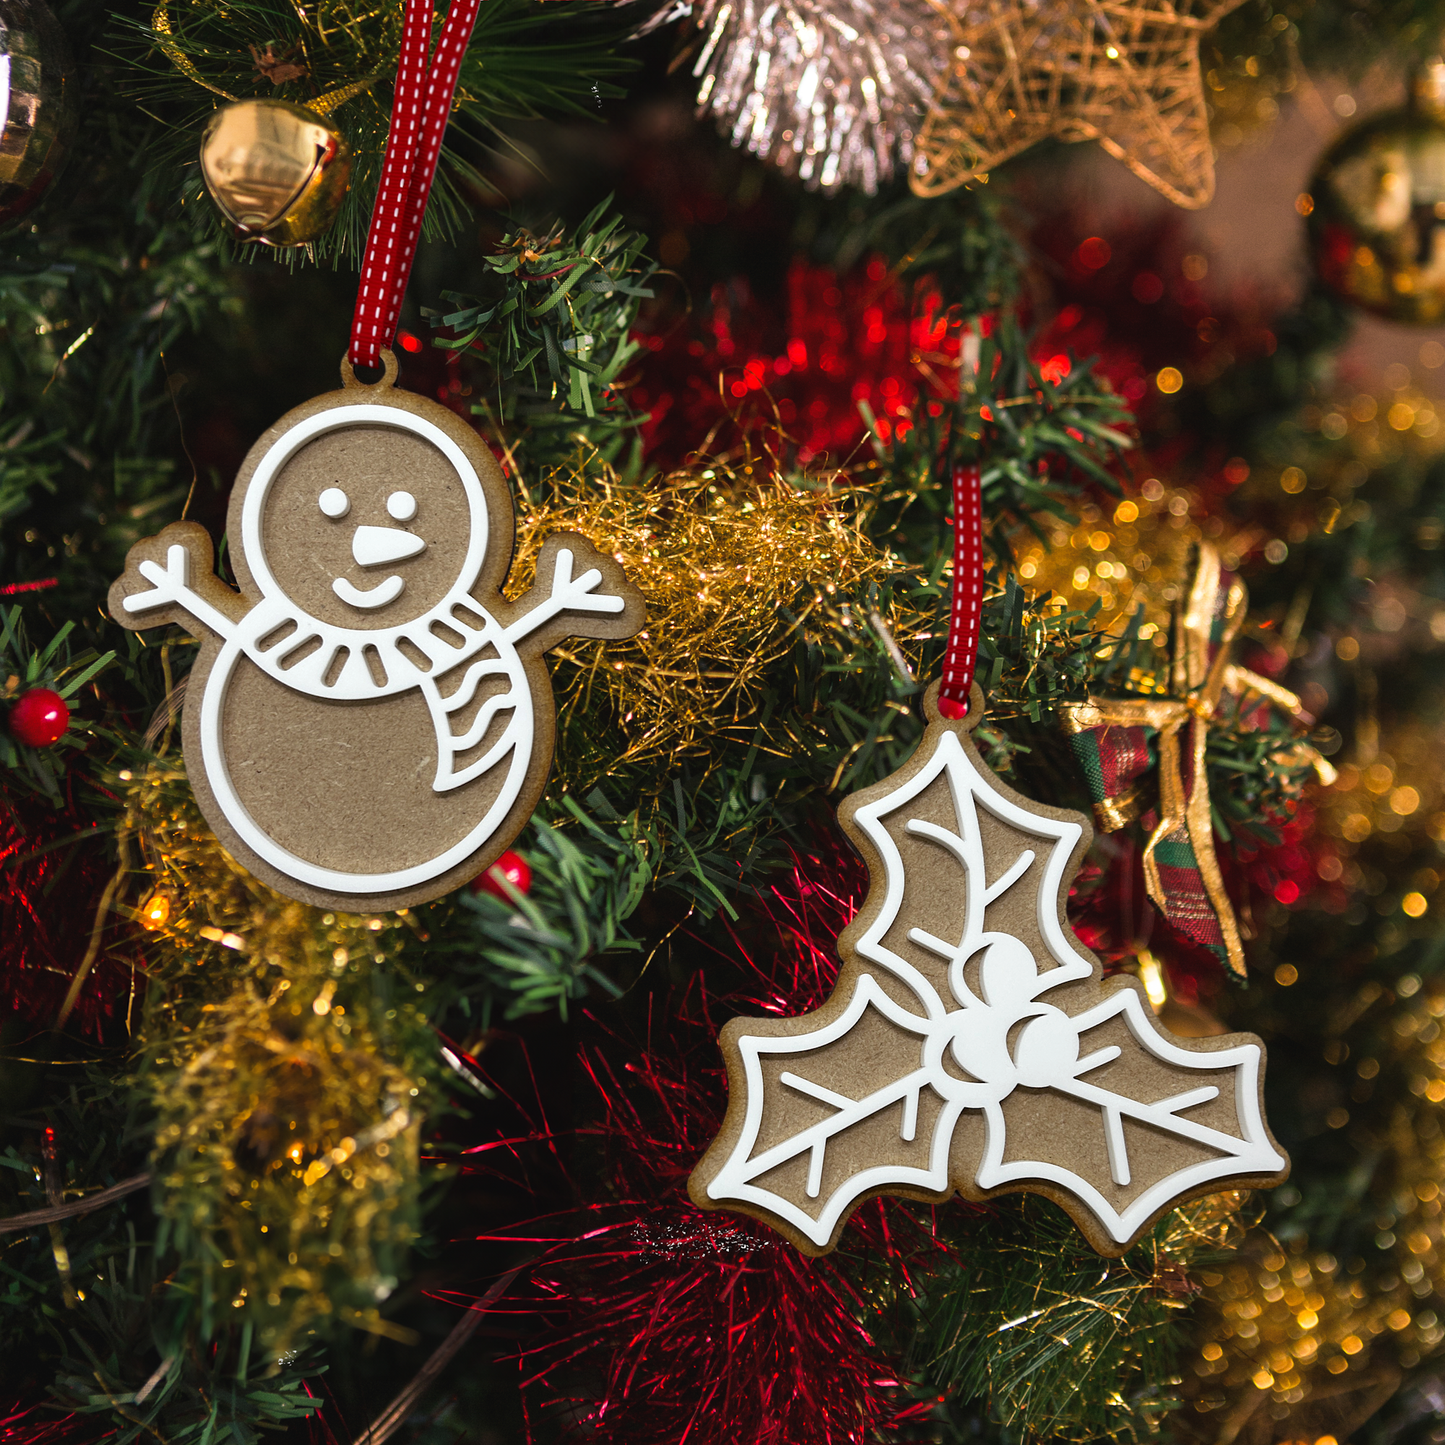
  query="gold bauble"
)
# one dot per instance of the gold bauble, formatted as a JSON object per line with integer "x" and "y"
{"x": 38, "y": 109}
{"x": 277, "y": 171}
{"x": 1377, "y": 229}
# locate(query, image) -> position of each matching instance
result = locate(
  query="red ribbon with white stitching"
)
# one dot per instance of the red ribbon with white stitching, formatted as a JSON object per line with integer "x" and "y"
{"x": 421, "y": 102}
{"x": 961, "y": 658}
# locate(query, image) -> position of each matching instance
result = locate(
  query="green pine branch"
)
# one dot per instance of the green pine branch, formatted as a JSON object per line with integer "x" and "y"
{"x": 553, "y": 334}
{"x": 1055, "y": 1342}
{"x": 61, "y": 668}
{"x": 1043, "y": 442}
{"x": 525, "y": 59}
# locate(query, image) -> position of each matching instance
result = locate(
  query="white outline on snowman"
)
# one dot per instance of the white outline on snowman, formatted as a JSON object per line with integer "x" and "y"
{"x": 259, "y": 637}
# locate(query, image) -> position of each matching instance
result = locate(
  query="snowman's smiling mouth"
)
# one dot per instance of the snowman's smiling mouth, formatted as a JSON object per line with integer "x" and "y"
{"x": 378, "y": 596}
{"x": 375, "y": 547}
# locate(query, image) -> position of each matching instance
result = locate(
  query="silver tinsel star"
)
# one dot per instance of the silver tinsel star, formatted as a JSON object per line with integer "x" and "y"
{"x": 828, "y": 90}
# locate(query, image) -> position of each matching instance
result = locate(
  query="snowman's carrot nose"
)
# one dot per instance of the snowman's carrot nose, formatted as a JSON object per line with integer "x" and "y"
{"x": 374, "y": 546}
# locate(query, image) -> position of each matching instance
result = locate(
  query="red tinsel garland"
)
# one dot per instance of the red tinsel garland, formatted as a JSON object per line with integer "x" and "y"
{"x": 666, "y": 1323}
{"x": 802, "y": 369}
{"x": 34, "y": 1424}
{"x": 55, "y": 869}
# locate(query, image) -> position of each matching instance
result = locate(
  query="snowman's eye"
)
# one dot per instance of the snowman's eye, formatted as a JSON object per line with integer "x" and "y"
{"x": 334, "y": 502}
{"x": 402, "y": 506}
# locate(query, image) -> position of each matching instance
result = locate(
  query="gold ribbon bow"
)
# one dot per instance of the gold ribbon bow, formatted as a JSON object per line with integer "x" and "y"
{"x": 1111, "y": 738}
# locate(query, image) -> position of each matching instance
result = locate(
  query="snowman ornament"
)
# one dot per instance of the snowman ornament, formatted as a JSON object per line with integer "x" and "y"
{"x": 369, "y": 723}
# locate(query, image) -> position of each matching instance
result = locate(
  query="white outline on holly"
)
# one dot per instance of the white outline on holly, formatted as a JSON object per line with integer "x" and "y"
{"x": 977, "y": 1032}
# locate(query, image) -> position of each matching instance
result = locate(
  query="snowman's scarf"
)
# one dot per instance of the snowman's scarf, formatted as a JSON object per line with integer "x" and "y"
{"x": 352, "y": 665}
{"x": 451, "y": 747}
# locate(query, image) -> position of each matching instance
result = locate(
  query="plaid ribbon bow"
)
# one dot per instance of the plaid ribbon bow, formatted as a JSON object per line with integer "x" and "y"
{"x": 1116, "y": 741}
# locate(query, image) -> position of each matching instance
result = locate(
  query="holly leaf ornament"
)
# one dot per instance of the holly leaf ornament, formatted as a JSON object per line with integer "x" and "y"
{"x": 971, "y": 1043}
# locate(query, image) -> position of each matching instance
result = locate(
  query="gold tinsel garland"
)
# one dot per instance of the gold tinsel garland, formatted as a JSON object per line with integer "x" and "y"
{"x": 1399, "y": 791}
{"x": 287, "y": 1062}
{"x": 289, "y": 1139}
{"x": 733, "y": 562}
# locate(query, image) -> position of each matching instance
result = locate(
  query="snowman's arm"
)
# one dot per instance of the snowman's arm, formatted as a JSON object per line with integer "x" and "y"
{"x": 172, "y": 588}
{"x": 569, "y": 594}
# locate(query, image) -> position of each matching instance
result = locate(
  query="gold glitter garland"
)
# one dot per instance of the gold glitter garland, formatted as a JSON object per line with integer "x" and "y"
{"x": 1287, "y": 1340}
{"x": 1292, "y": 1334}
{"x": 1133, "y": 553}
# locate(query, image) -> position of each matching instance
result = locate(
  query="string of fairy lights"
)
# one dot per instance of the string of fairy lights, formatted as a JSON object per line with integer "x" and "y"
{"x": 1285, "y": 1327}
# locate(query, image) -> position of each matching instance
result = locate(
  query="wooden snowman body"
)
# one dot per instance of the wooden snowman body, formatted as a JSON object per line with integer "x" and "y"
{"x": 370, "y": 722}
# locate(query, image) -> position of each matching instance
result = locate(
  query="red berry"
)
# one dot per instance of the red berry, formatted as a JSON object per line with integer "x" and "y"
{"x": 39, "y": 717}
{"x": 511, "y": 866}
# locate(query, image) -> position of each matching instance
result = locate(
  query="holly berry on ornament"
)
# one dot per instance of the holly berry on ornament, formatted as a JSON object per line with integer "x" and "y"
{"x": 511, "y": 867}
{"x": 39, "y": 717}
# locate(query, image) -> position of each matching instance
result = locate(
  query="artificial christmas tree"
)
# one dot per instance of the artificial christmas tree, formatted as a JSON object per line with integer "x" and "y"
{"x": 419, "y": 1170}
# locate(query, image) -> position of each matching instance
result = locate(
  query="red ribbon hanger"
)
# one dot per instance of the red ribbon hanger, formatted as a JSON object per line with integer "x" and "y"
{"x": 421, "y": 103}
{"x": 961, "y": 659}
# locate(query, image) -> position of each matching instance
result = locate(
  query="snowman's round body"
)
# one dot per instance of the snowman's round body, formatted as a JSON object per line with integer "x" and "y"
{"x": 370, "y": 721}
{"x": 330, "y": 789}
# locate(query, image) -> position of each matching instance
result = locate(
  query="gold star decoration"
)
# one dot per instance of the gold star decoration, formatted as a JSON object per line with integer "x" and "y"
{"x": 1122, "y": 72}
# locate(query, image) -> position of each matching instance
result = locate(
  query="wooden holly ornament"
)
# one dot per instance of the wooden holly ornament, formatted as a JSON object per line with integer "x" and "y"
{"x": 370, "y": 722}
{"x": 972, "y": 1043}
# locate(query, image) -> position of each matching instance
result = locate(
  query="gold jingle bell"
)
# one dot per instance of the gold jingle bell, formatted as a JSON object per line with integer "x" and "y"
{"x": 277, "y": 171}
{"x": 38, "y": 104}
{"x": 1377, "y": 230}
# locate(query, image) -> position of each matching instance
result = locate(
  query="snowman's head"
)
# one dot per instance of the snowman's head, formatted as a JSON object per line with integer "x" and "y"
{"x": 364, "y": 526}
